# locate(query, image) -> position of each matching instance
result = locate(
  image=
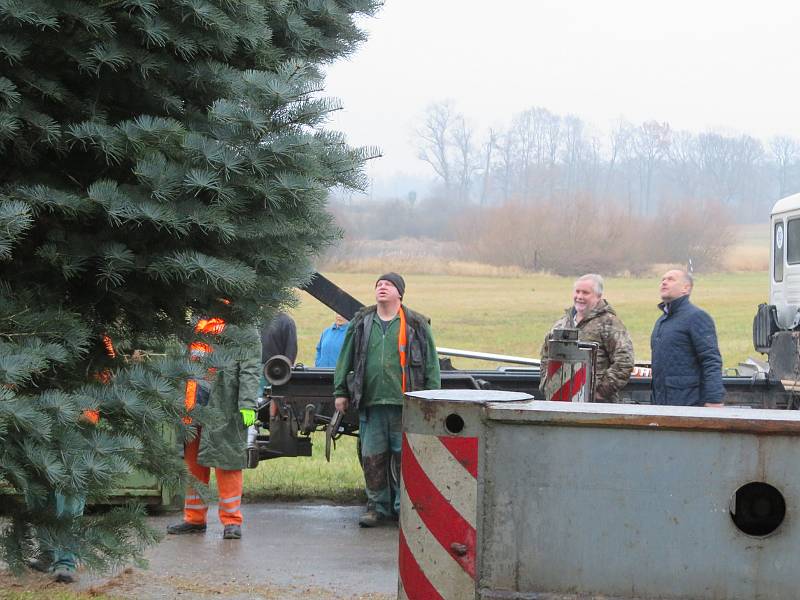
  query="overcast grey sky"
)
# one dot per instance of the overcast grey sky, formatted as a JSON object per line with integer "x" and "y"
{"x": 730, "y": 66}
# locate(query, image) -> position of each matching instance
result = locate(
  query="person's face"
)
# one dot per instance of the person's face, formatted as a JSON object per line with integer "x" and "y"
{"x": 385, "y": 291}
{"x": 584, "y": 298}
{"x": 673, "y": 286}
{"x": 339, "y": 320}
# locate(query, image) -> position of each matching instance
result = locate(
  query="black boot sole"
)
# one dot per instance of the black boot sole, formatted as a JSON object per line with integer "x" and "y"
{"x": 186, "y": 530}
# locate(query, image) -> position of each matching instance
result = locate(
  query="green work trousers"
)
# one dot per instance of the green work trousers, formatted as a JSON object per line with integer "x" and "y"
{"x": 380, "y": 430}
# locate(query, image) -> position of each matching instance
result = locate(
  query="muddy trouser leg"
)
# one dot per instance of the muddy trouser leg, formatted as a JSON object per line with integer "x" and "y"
{"x": 375, "y": 457}
{"x": 395, "y": 426}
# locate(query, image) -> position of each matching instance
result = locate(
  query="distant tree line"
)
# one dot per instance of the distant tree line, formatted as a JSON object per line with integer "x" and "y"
{"x": 542, "y": 156}
{"x": 565, "y": 238}
{"x": 550, "y": 193}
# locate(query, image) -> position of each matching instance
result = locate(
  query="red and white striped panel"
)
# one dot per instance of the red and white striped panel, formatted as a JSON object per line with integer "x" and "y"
{"x": 565, "y": 381}
{"x": 438, "y": 512}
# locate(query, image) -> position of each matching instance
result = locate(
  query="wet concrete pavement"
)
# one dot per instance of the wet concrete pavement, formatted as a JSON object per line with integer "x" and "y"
{"x": 286, "y": 551}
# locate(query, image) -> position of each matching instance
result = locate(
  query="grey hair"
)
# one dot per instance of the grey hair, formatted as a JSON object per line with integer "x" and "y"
{"x": 596, "y": 279}
{"x": 687, "y": 277}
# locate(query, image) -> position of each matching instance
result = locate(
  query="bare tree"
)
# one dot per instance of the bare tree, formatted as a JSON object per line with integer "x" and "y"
{"x": 487, "y": 165}
{"x": 522, "y": 130}
{"x": 744, "y": 185}
{"x": 467, "y": 160}
{"x": 530, "y": 130}
{"x": 581, "y": 158}
{"x": 729, "y": 167}
{"x": 651, "y": 142}
{"x": 506, "y": 145}
{"x": 786, "y": 152}
{"x": 434, "y": 140}
{"x": 715, "y": 163}
{"x": 573, "y": 141}
{"x": 684, "y": 164}
{"x": 543, "y": 156}
{"x": 552, "y": 143}
{"x": 617, "y": 169}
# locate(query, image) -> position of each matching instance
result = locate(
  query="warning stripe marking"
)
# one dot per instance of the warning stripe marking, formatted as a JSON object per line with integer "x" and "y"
{"x": 571, "y": 387}
{"x": 447, "y": 473}
{"x": 465, "y": 451}
{"x": 437, "y": 514}
{"x": 553, "y": 366}
{"x": 412, "y": 577}
{"x": 446, "y": 575}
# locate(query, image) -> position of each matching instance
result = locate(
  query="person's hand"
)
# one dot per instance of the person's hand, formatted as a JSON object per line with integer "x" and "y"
{"x": 341, "y": 404}
{"x": 248, "y": 416}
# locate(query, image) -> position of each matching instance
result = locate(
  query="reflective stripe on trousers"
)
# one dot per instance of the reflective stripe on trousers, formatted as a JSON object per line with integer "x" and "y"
{"x": 229, "y": 487}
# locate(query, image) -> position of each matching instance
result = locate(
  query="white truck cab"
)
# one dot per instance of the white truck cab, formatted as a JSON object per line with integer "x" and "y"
{"x": 784, "y": 289}
{"x": 776, "y": 326}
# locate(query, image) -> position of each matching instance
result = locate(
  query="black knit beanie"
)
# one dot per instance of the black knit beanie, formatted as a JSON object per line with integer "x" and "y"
{"x": 396, "y": 280}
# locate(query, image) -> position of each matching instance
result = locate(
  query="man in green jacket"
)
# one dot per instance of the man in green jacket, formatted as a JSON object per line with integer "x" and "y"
{"x": 388, "y": 350}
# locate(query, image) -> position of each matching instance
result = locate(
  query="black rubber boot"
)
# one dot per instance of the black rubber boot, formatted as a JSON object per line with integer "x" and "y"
{"x": 372, "y": 518}
{"x": 64, "y": 575}
{"x": 232, "y": 532}
{"x": 183, "y": 527}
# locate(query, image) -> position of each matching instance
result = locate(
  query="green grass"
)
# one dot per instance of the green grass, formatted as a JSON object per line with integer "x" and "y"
{"x": 503, "y": 315}
{"x": 309, "y": 477}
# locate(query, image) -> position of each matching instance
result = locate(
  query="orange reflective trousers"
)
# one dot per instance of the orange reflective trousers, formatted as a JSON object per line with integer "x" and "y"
{"x": 229, "y": 487}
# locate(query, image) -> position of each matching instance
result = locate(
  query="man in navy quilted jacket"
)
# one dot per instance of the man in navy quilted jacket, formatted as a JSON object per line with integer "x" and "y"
{"x": 687, "y": 366}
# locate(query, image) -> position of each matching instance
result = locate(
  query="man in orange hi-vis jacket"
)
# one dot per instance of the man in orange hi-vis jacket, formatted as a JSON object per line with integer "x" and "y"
{"x": 233, "y": 392}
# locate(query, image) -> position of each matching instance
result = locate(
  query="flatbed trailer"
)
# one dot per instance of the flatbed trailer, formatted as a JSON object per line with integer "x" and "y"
{"x": 301, "y": 398}
{"x": 305, "y": 401}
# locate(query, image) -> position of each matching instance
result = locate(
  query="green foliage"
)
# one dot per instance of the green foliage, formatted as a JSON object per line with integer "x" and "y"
{"x": 156, "y": 157}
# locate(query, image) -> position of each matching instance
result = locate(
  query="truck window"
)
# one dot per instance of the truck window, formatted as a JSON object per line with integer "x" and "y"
{"x": 792, "y": 241}
{"x": 777, "y": 251}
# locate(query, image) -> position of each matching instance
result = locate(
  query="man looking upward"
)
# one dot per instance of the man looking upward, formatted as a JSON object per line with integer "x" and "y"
{"x": 687, "y": 366}
{"x": 388, "y": 350}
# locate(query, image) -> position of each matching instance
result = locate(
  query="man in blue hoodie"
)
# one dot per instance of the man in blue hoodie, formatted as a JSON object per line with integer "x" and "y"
{"x": 687, "y": 366}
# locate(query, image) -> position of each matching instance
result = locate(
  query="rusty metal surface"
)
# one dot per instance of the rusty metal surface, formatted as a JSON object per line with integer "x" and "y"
{"x": 580, "y": 501}
{"x": 442, "y": 432}
{"x": 735, "y": 420}
{"x": 427, "y": 411}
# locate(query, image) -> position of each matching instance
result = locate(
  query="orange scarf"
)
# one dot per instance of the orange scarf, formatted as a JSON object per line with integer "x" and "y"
{"x": 401, "y": 346}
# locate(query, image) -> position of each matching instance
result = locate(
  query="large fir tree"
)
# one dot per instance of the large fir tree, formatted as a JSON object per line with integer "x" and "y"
{"x": 156, "y": 158}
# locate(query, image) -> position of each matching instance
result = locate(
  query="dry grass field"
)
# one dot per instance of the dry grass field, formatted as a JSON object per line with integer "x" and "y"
{"x": 500, "y": 314}
{"x": 511, "y": 314}
{"x": 750, "y": 252}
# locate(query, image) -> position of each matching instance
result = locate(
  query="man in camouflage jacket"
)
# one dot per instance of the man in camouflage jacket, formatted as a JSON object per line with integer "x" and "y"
{"x": 597, "y": 322}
